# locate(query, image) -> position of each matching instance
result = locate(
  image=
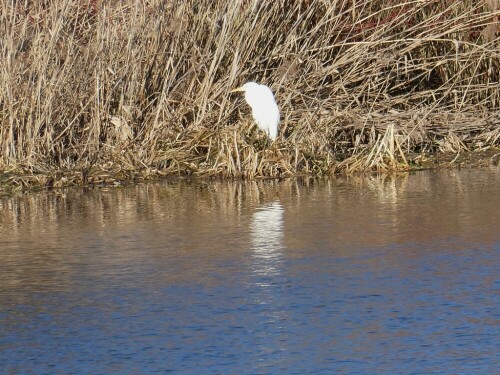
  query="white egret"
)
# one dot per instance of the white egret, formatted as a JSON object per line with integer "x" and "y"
{"x": 265, "y": 111}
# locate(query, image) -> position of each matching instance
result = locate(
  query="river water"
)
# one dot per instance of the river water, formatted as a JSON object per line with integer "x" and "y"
{"x": 372, "y": 275}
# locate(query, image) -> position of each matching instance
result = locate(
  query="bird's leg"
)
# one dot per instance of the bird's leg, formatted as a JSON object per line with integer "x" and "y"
{"x": 257, "y": 138}
{"x": 266, "y": 141}
{"x": 254, "y": 137}
{"x": 263, "y": 140}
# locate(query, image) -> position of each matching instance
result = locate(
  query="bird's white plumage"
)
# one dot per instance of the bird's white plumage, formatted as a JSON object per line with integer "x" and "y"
{"x": 265, "y": 111}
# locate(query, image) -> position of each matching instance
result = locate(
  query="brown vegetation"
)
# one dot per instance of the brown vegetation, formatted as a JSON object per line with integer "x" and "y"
{"x": 143, "y": 86}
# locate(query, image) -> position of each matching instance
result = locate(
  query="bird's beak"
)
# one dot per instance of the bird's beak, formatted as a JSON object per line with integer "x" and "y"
{"x": 238, "y": 89}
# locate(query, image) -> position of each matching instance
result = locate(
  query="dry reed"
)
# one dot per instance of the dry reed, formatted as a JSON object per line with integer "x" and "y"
{"x": 127, "y": 86}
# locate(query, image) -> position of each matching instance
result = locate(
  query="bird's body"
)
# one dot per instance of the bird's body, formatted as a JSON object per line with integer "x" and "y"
{"x": 265, "y": 111}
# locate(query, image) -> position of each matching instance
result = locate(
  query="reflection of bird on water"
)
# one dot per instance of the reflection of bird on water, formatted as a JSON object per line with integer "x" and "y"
{"x": 265, "y": 111}
{"x": 267, "y": 239}
{"x": 267, "y": 229}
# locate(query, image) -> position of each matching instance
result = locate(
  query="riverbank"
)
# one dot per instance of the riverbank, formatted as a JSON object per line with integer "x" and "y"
{"x": 20, "y": 181}
{"x": 108, "y": 90}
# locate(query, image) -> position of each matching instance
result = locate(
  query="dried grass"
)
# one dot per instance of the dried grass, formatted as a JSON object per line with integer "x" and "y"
{"x": 143, "y": 85}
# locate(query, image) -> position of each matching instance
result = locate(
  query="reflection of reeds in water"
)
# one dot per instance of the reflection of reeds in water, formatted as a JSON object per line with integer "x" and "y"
{"x": 214, "y": 222}
{"x": 191, "y": 204}
{"x": 120, "y": 86}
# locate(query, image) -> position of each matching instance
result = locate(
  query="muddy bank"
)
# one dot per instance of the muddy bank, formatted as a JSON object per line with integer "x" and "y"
{"x": 19, "y": 181}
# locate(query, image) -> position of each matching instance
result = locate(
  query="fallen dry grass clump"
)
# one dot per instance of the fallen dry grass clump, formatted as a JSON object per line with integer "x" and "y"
{"x": 142, "y": 87}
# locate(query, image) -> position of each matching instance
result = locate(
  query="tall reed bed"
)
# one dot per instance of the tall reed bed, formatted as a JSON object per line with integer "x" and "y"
{"x": 144, "y": 84}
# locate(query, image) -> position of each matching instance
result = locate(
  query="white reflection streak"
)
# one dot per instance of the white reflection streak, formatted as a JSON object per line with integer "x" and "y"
{"x": 267, "y": 235}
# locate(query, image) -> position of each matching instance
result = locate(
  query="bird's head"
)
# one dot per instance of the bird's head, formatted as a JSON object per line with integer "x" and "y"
{"x": 249, "y": 86}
